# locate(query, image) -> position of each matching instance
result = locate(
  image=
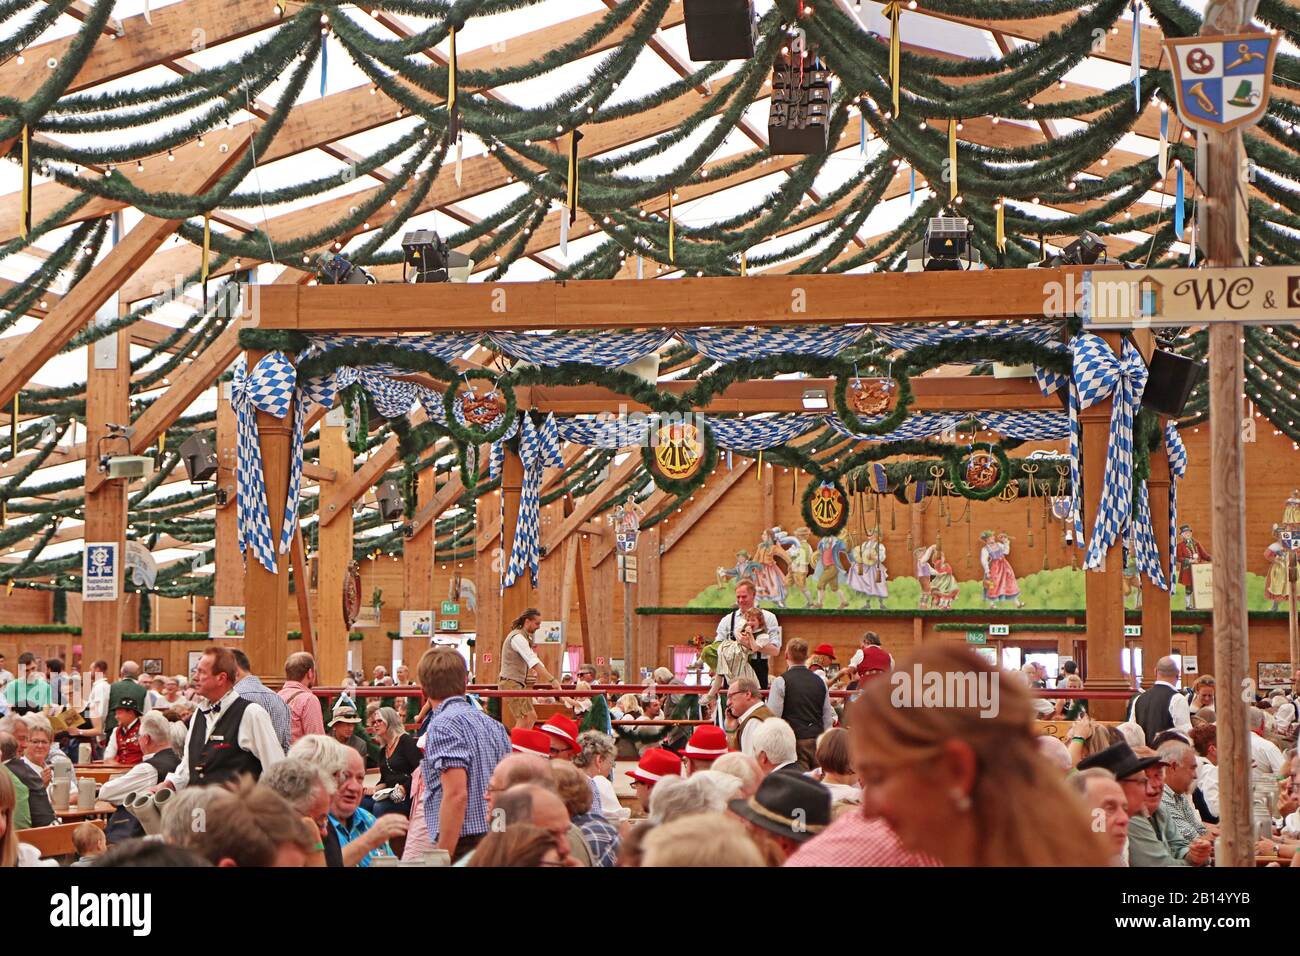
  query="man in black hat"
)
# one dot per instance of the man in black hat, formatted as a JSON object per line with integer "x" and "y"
{"x": 1143, "y": 778}
{"x": 786, "y": 811}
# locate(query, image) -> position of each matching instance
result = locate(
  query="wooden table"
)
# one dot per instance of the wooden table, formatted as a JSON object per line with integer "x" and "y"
{"x": 99, "y": 772}
{"x": 101, "y": 810}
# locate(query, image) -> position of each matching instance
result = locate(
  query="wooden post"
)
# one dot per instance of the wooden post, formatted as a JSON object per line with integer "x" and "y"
{"x": 1157, "y": 633}
{"x": 604, "y": 625}
{"x": 108, "y": 389}
{"x": 334, "y": 548}
{"x": 580, "y": 584}
{"x": 417, "y": 559}
{"x": 228, "y": 588}
{"x": 1225, "y": 236}
{"x": 267, "y": 592}
{"x": 1104, "y": 594}
{"x": 646, "y": 645}
{"x": 497, "y": 609}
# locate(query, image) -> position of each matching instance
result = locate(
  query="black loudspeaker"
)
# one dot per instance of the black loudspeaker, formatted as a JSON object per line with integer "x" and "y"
{"x": 199, "y": 456}
{"x": 720, "y": 29}
{"x": 798, "y": 121}
{"x": 1170, "y": 380}
{"x": 389, "y": 497}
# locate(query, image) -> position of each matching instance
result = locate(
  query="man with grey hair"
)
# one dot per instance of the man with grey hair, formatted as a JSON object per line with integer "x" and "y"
{"x": 1263, "y": 752}
{"x": 746, "y": 707}
{"x": 186, "y": 814}
{"x": 158, "y": 759}
{"x": 1160, "y": 707}
{"x": 1180, "y": 780}
{"x": 675, "y": 797}
{"x": 308, "y": 790}
{"x": 773, "y": 745}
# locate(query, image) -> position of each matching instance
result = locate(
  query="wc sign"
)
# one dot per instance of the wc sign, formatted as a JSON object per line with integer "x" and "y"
{"x": 99, "y": 570}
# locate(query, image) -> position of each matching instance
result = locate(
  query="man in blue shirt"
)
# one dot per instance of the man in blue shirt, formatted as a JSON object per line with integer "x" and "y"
{"x": 360, "y": 835}
{"x": 462, "y": 747}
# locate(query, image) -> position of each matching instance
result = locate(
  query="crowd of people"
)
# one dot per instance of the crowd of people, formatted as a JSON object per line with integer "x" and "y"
{"x": 795, "y": 774}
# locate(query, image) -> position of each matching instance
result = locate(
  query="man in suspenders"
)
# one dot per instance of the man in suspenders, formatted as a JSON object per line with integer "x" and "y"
{"x": 764, "y": 640}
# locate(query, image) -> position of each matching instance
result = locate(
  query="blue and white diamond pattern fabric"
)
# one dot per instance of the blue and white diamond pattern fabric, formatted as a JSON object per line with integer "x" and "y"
{"x": 1047, "y": 334}
{"x": 1177, "y": 453}
{"x": 760, "y": 433}
{"x": 270, "y": 388}
{"x": 497, "y": 453}
{"x": 392, "y": 397}
{"x": 1100, "y": 374}
{"x": 445, "y": 346}
{"x": 1147, "y": 554}
{"x": 606, "y": 431}
{"x": 608, "y": 348}
{"x": 539, "y": 448}
{"x": 1027, "y": 426}
{"x": 733, "y": 345}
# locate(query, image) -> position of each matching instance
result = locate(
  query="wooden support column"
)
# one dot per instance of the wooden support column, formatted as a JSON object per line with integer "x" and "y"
{"x": 646, "y": 626}
{"x": 417, "y": 557}
{"x": 1104, "y": 594}
{"x": 228, "y": 588}
{"x": 1157, "y": 626}
{"x": 580, "y": 585}
{"x": 108, "y": 389}
{"x": 267, "y": 592}
{"x": 334, "y": 549}
{"x": 607, "y": 640}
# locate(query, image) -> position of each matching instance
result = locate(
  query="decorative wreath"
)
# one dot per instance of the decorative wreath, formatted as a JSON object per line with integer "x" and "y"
{"x": 853, "y": 390}
{"x": 476, "y": 418}
{"x": 825, "y": 514}
{"x": 957, "y": 465}
{"x": 692, "y": 470}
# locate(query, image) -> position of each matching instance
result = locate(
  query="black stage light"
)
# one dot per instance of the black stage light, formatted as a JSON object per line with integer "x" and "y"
{"x": 720, "y": 29}
{"x": 389, "y": 497}
{"x": 199, "y": 456}
{"x": 337, "y": 270}
{"x": 798, "y": 121}
{"x": 1084, "y": 251}
{"x": 426, "y": 253}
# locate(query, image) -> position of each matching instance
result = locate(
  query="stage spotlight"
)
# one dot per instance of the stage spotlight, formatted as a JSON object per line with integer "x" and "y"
{"x": 337, "y": 270}
{"x": 199, "y": 456}
{"x": 945, "y": 248}
{"x": 429, "y": 259}
{"x": 815, "y": 399}
{"x": 1084, "y": 251}
{"x": 389, "y": 498}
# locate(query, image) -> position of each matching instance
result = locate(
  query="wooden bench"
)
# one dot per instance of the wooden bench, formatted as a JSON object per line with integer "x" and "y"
{"x": 56, "y": 840}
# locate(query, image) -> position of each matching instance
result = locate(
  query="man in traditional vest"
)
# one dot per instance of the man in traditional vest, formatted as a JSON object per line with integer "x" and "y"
{"x": 1161, "y": 707}
{"x": 158, "y": 760}
{"x": 744, "y": 704}
{"x": 763, "y": 640}
{"x": 521, "y": 667}
{"x": 229, "y": 736}
{"x": 124, "y": 742}
{"x": 125, "y": 688}
{"x": 800, "y": 698}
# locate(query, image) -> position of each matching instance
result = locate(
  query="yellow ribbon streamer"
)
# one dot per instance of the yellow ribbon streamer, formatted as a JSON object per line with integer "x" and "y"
{"x": 744, "y": 266}
{"x": 162, "y": 441}
{"x": 13, "y": 432}
{"x": 952, "y": 159}
{"x": 759, "y": 476}
{"x": 894, "y": 11}
{"x": 1002, "y": 226}
{"x": 672, "y": 256}
{"x": 25, "y": 220}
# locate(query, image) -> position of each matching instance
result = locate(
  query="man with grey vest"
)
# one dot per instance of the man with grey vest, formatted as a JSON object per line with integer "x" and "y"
{"x": 800, "y": 698}
{"x": 521, "y": 667}
{"x": 1160, "y": 707}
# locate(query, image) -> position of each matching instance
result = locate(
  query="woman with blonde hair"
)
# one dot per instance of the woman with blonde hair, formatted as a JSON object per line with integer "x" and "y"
{"x": 946, "y": 756}
{"x": 8, "y": 832}
{"x": 700, "y": 839}
{"x": 1088, "y": 738}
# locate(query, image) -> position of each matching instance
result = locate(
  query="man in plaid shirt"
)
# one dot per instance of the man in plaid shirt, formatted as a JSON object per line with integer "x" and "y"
{"x": 462, "y": 747}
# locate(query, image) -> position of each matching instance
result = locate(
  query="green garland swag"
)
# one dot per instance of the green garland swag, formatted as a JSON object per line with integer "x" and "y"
{"x": 957, "y": 474}
{"x": 471, "y": 434}
{"x": 682, "y": 486}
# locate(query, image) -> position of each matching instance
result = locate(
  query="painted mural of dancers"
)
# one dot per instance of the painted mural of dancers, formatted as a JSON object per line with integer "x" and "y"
{"x": 1276, "y": 586}
{"x": 802, "y": 561}
{"x": 743, "y": 568}
{"x": 867, "y": 572}
{"x": 938, "y": 584}
{"x": 773, "y": 564}
{"x": 1000, "y": 585}
{"x": 832, "y": 559}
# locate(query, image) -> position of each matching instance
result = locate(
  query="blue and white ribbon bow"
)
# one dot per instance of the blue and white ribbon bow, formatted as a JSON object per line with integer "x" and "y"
{"x": 539, "y": 448}
{"x": 1148, "y": 555}
{"x": 1177, "y": 453}
{"x": 1100, "y": 374}
{"x": 270, "y": 388}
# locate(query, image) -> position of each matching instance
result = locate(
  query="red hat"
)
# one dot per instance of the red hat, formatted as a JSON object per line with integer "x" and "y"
{"x": 825, "y": 650}
{"x": 655, "y": 764}
{"x": 708, "y": 742}
{"x": 563, "y": 729}
{"x": 874, "y": 659}
{"x": 525, "y": 741}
